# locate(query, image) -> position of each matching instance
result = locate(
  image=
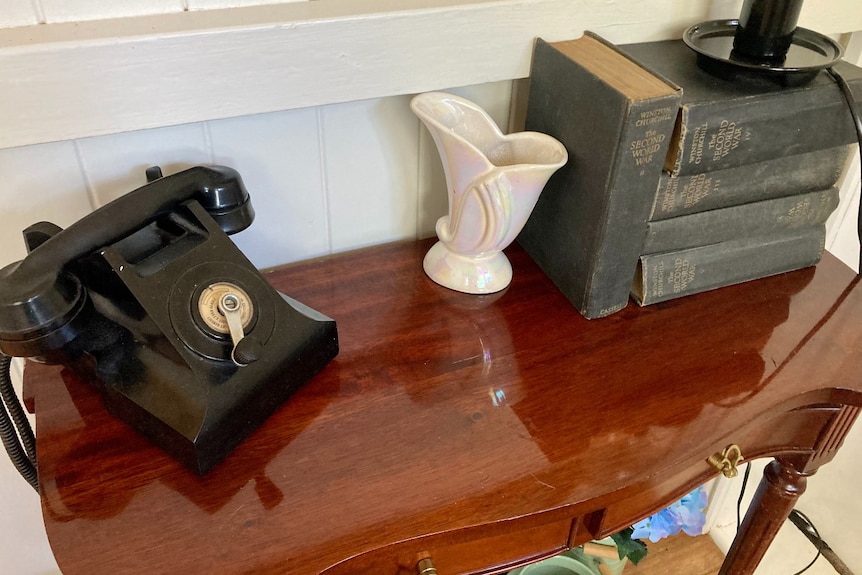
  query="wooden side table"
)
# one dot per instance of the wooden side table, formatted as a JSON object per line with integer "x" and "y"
{"x": 474, "y": 433}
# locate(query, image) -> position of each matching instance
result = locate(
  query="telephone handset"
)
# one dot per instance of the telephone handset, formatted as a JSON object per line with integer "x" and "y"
{"x": 153, "y": 303}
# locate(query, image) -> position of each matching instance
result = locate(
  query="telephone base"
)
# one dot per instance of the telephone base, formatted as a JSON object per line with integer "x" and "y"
{"x": 199, "y": 420}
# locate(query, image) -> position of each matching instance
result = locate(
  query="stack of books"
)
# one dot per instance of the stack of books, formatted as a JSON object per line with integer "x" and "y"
{"x": 616, "y": 119}
{"x": 749, "y": 180}
{"x": 678, "y": 182}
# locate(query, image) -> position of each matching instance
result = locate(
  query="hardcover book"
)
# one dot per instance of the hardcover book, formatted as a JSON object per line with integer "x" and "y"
{"x": 615, "y": 119}
{"x": 724, "y": 123}
{"x": 681, "y": 195}
{"x": 669, "y": 275}
{"x": 743, "y": 221}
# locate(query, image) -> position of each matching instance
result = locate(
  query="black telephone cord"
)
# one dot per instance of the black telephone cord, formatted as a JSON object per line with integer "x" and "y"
{"x": 16, "y": 411}
{"x": 14, "y": 423}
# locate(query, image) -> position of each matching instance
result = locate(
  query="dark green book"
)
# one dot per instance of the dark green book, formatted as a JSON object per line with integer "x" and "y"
{"x": 666, "y": 276}
{"x": 725, "y": 123}
{"x": 787, "y": 176}
{"x": 743, "y": 221}
{"x": 615, "y": 119}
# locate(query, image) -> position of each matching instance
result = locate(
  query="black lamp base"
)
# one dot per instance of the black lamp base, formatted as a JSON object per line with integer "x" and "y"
{"x": 808, "y": 53}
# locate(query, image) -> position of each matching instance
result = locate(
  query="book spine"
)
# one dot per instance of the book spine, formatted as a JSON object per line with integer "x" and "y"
{"x": 643, "y": 145}
{"x": 723, "y": 135}
{"x": 743, "y": 221}
{"x": 587, "y": 229}
{"x": 666, "y": 276}
{"x": 786, "y": 176}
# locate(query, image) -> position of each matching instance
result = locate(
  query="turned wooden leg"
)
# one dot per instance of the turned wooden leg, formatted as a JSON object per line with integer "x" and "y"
{"x": 775, "y": 498}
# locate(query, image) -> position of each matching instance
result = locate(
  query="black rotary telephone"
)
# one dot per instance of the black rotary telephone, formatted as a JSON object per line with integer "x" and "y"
{"x": 151, "y": 300}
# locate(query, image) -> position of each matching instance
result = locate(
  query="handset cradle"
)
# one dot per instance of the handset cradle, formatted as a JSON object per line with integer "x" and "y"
{"x": 151, "y": 302}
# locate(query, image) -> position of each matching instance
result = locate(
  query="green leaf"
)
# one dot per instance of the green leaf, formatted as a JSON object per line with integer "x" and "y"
{"x": 634, "y": 549}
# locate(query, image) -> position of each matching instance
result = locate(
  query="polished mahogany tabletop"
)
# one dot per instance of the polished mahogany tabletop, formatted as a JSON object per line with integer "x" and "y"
{"x": 448, "y": 418}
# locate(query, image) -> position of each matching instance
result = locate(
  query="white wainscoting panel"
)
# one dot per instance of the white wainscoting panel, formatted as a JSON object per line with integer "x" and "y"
{"x": 371, "y": 162}
{"x": 278, "y": 156}
{"x": 47, "y": 173}
{"x": 116, "y": 164}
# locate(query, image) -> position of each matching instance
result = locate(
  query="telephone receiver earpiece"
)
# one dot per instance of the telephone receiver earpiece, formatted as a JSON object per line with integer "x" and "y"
{"x": 218, "y": 189}
{"x": 43, "y": 306}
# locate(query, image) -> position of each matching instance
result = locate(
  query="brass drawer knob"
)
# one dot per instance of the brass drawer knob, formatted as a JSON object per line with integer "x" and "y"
{"x": 426, "y": 567}
{"x": 727, "y": 461}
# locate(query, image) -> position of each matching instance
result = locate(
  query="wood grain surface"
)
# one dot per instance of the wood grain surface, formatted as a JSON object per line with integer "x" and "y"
{"x": 482, "y": 431}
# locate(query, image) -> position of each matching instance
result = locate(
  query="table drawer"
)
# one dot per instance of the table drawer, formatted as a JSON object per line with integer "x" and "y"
{"x": 482, "y": 550}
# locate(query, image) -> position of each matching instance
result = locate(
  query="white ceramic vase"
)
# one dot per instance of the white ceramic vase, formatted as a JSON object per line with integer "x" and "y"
{"x": 494, "y": 181}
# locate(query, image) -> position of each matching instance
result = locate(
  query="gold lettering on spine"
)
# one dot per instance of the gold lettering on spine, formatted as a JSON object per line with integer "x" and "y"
{"x": 667, "y": 195}
{"x": 643, "y": 149}
{"x": 686, "y": 192}
{"x": 657, "y": 280}
{"x": 614, "y": 308}
{"x": 799, "y": 214}
{"x": 695, "y": 156}
{"x": 649, "y": 117}
{"x": 697, "y": 188}
{"x": 681, "y": 275}
{"x": 726, "y": 139}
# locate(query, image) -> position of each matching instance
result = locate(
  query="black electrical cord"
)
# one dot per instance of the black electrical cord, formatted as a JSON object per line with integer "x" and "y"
{"x": 857, "y": 123}
{"x": 13, "y": 422}
{"x": 804, "y": 524}
{"x": 741, "y": 494}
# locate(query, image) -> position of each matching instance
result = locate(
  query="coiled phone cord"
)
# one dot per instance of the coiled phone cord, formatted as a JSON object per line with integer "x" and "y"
{"x": 15, "y": 430}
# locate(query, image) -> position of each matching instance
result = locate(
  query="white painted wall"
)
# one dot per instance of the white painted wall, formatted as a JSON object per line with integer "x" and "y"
{"x": 332, "y": 156}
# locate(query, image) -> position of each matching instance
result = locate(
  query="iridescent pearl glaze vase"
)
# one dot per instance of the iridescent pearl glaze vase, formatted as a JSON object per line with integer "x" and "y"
{"x": 494, "y": 182}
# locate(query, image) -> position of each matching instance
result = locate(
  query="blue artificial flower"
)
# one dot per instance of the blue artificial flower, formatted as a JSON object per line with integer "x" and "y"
{"x": 684, "y": 515}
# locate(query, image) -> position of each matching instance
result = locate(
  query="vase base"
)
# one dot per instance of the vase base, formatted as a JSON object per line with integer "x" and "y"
{"x": 473, "y": 275}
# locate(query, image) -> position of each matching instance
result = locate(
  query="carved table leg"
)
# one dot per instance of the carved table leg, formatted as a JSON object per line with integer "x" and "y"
{"x": 776, "y": 495}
